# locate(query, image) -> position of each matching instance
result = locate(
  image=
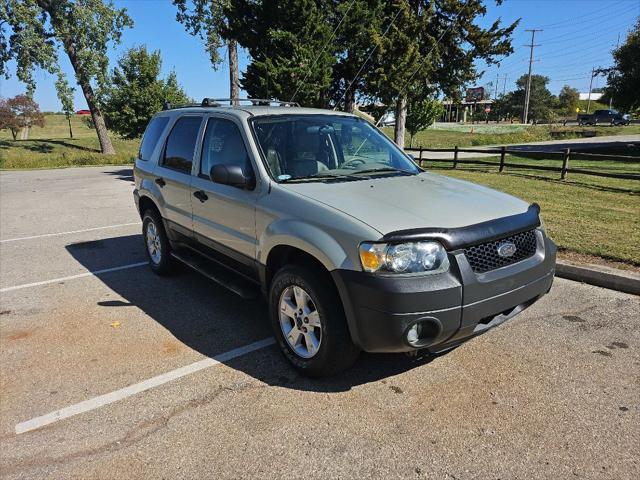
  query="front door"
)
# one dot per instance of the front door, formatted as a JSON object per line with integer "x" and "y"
{"x": 173, "y": 173}
{"x": 224, "y": 216}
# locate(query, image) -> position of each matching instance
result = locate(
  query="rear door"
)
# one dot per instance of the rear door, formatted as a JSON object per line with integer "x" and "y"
{"x": 174, "y": 172}
{"x": 224, "y": 216}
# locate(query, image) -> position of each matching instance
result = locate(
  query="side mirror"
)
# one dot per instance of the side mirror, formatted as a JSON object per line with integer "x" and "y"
{"x": 412, "y": 157}
{"x": 230, "y": 175}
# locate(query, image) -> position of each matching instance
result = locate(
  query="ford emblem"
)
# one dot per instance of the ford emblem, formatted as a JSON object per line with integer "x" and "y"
{"x": 506, "y": 249}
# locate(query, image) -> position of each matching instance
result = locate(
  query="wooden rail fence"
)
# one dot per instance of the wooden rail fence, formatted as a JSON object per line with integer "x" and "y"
{"x": 564, "y": 156}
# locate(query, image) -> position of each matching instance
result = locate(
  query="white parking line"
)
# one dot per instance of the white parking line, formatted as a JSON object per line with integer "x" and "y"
{"x": 68, "y": 233}
{"x": 73, "y": 277}
{"x": 108, "y": 398}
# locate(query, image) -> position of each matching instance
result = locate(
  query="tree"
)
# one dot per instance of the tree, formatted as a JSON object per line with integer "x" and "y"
{"x": 623, "y": 79}
{"x": 437, "y": 53}
{"x": 208, "y": 20}
{"x": 134, "y": 92}
{"x": 285, "y": 40}
{"x": 421, "y": 113}
{"x": 19, "y": 114}
{"x": 83, "y": 29}
{"x": 65, "y": 94}
{"x": 568, "y": 100}
{"x": 541, "y": 100}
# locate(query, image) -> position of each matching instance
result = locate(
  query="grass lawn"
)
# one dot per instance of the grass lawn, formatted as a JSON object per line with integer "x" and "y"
{"x": 503, "y": 134}
{"x": 598, "y": 217}
{"x": 51, "y": 147}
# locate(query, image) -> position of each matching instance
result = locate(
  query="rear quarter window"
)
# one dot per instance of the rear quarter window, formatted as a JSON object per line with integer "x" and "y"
{"x": 151, "y": 137}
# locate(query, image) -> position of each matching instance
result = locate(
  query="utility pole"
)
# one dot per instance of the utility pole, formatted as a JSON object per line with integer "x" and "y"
{"x": 504, "y": 87}
{"x": 525, "y": 116}
{"x": 593, "y": 70}
{"x": 610, "y": 97}
{"x": 497, "y": 80}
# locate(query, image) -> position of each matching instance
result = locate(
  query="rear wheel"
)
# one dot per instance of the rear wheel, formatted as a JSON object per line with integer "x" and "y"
{"x": 156, "y": 242}
{"x": 309, "y": 323}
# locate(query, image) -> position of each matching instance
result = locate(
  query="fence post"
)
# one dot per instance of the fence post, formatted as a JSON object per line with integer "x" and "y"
{"x": 503, "y": 151}
{"x": 455, "y": 156}
{"x": 565, "y": 163}
{"x": 420, "y": 157}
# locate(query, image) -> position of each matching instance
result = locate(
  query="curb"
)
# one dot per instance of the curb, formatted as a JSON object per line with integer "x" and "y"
{"x": 600, "y": 276}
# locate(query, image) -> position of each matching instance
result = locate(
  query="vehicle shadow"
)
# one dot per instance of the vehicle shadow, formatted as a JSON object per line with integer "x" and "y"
{"x": 211, "y": 320}
{"x": 125, "y": 174}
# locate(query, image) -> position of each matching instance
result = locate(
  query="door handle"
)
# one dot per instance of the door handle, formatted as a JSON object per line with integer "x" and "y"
{"x": 200, "y": 195}
{"x": 161, "y": 182}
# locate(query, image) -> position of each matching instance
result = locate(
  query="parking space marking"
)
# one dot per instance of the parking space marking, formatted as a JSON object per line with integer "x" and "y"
{"x": 72, "y": 277}
{"x": 134, "y": 389}
{"x": 68, "y": 233}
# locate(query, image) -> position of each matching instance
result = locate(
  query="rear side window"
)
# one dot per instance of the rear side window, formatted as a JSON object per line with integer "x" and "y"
{"x": 151, "y": 136}
{"x": 181, "y": 144}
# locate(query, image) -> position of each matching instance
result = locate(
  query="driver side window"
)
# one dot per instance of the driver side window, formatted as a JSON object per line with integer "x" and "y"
{"x": 223, "y": 145}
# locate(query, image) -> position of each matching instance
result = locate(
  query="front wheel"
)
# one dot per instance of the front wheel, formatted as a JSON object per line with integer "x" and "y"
{"x": 309, "y": 323}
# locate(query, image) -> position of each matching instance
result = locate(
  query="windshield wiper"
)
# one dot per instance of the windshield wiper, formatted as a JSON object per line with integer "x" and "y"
{"x": 318, "y": 177}
{"x": 383, "y": 170}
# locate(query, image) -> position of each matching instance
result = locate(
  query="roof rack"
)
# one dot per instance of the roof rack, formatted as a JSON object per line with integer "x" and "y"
{"x": 254, "y": 101}
{"x": 217, "y": 102}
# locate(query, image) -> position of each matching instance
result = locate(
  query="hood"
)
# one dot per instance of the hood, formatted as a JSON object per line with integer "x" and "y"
{"x": 425, "y": 200}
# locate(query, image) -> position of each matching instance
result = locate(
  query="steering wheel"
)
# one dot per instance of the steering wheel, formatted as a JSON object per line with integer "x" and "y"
{"x": 353, "y": 163}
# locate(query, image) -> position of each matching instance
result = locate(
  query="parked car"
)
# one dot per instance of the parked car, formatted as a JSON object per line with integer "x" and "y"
{"x": 604, "y": 117}
{"x": 352, "y": 245}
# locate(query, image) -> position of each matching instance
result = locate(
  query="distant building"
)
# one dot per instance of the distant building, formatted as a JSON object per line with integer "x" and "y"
{"x": 83, "y": 112}
{"x": 594, "y": 96}
{"x": 459, "y": 111}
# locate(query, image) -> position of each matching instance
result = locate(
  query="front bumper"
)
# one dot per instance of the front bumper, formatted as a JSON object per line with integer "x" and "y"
{"x": 453, "y": 306}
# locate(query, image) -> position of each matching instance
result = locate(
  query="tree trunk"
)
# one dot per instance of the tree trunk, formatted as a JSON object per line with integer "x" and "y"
{"x": 70, "y": 131}
{"x": 350, "y": 101}
{"x": 106, "y": 147}
{"x": 401, "y": 120}
{"x": 14, "y": 132}
{"x": 234, "y": 87}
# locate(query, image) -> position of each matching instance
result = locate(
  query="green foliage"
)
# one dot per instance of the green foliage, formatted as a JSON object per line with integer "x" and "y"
{"x": 285, "y": 41}
{"x": 135, "y": 92}
{"x": 82, "y": 28}
{"x": 568, "y": 101}
{"x": 541, "y": 100}
{"x": 65, "y": 94}
{"x": 380, "y": 49}
{"x": 623, "y": 80}
{"x": 205, "y": 19}
{"x": 421, "y": 113}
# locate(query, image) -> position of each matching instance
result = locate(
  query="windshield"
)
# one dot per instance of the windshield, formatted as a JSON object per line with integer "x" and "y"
{"x": 321, "y": 147}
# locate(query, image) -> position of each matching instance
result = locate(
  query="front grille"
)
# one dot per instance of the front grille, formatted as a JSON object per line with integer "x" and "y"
{"x": 484, "y": 257}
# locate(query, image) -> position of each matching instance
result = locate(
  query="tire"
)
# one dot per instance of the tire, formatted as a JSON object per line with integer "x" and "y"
{"x": 156, "y": 243}
{"x": 334, "y": 351}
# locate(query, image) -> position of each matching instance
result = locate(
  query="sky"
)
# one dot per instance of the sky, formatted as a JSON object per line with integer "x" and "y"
{"x": 577, "y": 36}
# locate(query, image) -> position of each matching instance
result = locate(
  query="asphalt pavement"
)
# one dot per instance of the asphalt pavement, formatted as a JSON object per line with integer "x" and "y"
{"x": 108, "y": 371}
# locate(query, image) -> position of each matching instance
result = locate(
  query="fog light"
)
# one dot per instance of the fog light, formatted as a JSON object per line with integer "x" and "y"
{"x": 423, "y": 333}
{"x": 413, "y": 334}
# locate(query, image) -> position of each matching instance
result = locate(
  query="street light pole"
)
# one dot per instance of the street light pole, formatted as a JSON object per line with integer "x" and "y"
{"x": 590, "y": 85}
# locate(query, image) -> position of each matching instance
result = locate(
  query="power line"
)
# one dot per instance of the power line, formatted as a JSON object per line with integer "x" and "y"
{"x": 313, "y": 64}
{"x": 572, "y": 20}
{"x": 366, "y": 60}
{"x": 406, "y": 85}
{"x": 576, "y": 35}
{"x": 528, "y": 92}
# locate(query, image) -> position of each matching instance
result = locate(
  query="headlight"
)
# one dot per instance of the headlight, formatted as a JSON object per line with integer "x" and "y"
{"x": 413, "y": 257}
